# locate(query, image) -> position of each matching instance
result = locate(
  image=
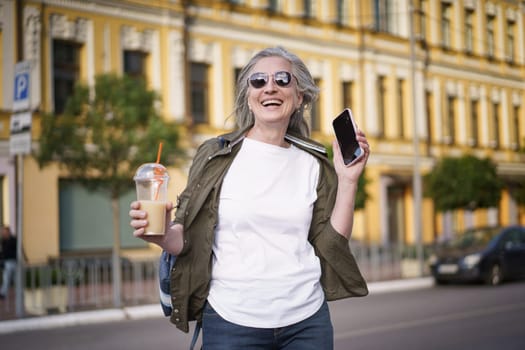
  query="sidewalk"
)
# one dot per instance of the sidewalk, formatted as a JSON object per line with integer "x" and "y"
{"x": 154, "y": 310}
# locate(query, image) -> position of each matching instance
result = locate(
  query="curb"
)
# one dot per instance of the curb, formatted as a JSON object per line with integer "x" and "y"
{"x": 400, "y": 285}
{"x": 81, "y": 318}
{"x": 154, "y": 310}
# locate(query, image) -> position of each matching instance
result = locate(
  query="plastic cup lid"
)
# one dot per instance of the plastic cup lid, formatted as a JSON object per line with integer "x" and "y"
{"x": 151, "y": 171}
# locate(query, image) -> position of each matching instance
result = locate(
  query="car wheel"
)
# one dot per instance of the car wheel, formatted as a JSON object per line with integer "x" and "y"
{"x": 494, "y": 275}
{"x": 439, "y": 282}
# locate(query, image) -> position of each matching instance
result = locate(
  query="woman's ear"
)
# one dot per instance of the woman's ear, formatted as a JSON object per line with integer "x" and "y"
{"x": 299, "y": 100}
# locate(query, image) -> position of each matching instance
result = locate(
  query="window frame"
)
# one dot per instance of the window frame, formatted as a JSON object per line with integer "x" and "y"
{"x": 491, "y": 36}
{"x": 469, "y": 31}
{"x": 134, "y": 56}
{"x": 446, "y": 25}
{"x": 510, "y": 41}
{"x": 65, "y": 71}
{"x": 199, "y": 88}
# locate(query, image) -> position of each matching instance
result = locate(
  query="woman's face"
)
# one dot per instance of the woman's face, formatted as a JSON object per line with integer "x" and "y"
{"x": 271, "y": 103}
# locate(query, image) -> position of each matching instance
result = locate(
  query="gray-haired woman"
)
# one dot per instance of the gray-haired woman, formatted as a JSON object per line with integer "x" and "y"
{"x": 261, "y": 230}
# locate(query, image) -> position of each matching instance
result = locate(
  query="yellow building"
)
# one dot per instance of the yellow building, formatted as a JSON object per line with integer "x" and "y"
{"x": 427, "y": 80}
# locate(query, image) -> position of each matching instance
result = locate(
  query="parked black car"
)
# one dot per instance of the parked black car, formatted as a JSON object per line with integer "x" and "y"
{"x": 487, "y": 254}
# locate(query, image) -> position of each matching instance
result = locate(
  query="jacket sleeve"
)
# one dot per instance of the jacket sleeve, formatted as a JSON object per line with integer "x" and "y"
{"x": 203, "y": 152}
{"x": 341, "y": 277}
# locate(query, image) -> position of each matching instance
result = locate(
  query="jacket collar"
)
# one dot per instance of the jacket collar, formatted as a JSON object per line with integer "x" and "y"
{"x": 236, "y": 136}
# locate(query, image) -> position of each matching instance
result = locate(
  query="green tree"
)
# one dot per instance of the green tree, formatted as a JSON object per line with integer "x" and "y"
{"x": 104, "y": 134}
{"x": 466, "y": 182}
{"x": 361, "y": 195}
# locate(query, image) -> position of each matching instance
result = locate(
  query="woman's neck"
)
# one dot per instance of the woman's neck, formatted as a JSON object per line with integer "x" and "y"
{"x": 273, "y": 136}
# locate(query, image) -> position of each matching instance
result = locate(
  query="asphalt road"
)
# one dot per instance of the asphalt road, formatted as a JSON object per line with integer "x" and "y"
{"x": 449, "y": 317}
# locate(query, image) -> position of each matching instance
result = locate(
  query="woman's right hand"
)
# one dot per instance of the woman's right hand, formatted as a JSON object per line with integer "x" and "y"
{"x": 171, "y": 240}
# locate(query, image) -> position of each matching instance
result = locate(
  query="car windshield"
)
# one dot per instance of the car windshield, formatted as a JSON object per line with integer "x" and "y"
{"x": 473, "y": 237}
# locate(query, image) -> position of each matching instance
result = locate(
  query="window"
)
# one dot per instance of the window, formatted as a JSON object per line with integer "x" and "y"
{"x": 343, "y": 13}
{"x": 134, "y": 63}
{"x": 199, "y": 92}
{"x": 274, "y": 6}
{"x": 381, "y": 103}
{"x": 490, "y": 36}
{"x": 495, "y": 125}
{"x": 430, "y": 115}
{"x": 474, "y": 122}
{"x": 400, "y": 108}
{"x": 446, "y": 30}
{"x": 422, "y": 20}
{"x": 384, "y": 16}
{"x": 469, "y": 31}
{"x": 347, "y": 94}
{"x": 309, "y": 8}
{"x": 451, "y": 119}
{"x": 516, "y": 119}
{"x": 510, "y": 41}
{"x": 236, "y": 73}
{"x": 315, "y": 115}
{"x": 66, "y": 68}
{"x": 78, "y": 206}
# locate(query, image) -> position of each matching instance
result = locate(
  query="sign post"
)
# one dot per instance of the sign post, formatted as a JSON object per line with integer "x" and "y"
{"x": 19, "y": 145}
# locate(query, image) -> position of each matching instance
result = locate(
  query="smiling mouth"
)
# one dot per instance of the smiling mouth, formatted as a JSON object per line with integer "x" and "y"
{"x": 269, "y": 103}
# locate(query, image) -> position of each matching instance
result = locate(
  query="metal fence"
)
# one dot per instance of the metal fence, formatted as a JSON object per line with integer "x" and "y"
{"x": 80, "y": 283}
{"x": 85, "y": 283}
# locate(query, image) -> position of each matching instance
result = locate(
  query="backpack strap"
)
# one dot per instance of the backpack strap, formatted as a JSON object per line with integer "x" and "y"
{"x": 166, "y": 262}
{"x": 196, "y": 333}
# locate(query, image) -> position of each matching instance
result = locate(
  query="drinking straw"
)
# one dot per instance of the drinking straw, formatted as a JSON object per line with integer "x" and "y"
{"x": 159, "y": 152}
{"x": 159, "y": 180}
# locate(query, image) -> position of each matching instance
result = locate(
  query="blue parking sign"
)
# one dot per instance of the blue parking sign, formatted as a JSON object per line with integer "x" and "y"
{"x": 22, "y": 86}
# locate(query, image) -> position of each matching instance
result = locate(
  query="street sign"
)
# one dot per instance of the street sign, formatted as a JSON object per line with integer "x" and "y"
{"x": 20, "y": 140}
{"x": 21, "y": 98}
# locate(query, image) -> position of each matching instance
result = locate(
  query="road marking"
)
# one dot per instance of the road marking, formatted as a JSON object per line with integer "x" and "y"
{"x": 429, "y": 321}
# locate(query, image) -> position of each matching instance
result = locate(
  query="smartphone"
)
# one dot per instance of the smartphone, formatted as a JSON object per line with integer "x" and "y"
{"x": 345, "y": 131}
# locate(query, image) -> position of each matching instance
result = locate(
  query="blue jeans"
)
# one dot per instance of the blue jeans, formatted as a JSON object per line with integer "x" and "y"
{"x": 315, "y": 333}
{"x": 9, "y": 273}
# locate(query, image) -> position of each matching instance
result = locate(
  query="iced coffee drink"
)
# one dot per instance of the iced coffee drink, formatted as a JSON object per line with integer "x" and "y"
{"x": 151, "y": 180}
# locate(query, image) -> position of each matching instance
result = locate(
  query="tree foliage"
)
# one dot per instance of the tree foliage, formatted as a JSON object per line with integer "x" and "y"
{"x": 463, "y": 183}
{"x": 105, "y": 134}
{"x": 362, "y": 195}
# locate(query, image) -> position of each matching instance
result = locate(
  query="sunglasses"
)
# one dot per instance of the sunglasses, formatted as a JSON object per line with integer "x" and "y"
{"x": 259, "y": 80}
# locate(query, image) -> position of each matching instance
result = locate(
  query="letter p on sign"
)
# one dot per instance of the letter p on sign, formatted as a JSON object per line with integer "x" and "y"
{"x": 21, "y": 86}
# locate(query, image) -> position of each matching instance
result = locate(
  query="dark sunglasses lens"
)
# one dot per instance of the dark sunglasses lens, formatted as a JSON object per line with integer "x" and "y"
{"x": 282, "y": 78}
{"x": 258, "y": 80}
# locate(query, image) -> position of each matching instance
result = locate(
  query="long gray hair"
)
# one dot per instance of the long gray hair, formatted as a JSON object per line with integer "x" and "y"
{"x": 305, "y": 85}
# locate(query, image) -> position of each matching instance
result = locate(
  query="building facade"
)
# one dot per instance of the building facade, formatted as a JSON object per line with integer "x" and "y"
{"x": 425, "y": 79}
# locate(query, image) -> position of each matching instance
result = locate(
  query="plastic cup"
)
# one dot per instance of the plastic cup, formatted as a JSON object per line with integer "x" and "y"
{"x": 151, "y": 180}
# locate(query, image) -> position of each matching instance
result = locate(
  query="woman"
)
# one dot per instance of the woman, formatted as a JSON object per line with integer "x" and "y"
{"x": 261, "y": 230}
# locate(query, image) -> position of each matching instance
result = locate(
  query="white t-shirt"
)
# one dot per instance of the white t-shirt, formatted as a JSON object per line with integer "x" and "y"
{"x": 265, "y": 273}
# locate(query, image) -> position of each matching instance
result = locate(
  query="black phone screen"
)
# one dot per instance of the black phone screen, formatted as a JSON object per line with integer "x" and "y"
{"x": 346, "y": 137}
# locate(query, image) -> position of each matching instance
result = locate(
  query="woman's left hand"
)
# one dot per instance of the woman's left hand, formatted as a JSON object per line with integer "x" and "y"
{"x": 350, "y": 174}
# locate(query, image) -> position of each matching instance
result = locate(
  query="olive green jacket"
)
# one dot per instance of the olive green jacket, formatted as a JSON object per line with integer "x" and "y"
{"x": 197, "y": 209}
